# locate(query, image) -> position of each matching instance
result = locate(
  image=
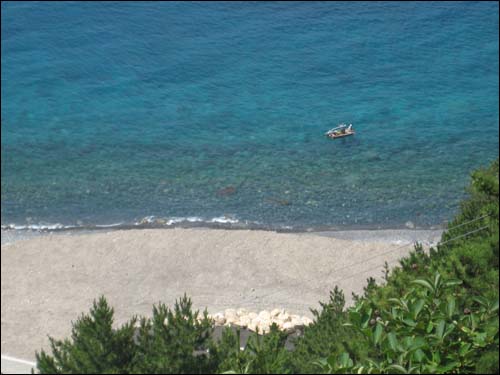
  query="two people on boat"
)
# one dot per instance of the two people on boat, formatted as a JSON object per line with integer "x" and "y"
{"x": 340, "y": 131}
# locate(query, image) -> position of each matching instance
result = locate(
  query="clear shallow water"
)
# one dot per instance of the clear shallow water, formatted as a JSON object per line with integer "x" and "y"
{"x": 115, "y": 112}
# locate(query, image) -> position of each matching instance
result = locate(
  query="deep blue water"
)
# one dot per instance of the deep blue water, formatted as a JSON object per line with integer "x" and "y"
{"x": 112, "y": 112}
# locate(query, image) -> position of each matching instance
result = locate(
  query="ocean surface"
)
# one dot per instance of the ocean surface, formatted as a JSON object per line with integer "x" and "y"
{"x": 166, "y": 114}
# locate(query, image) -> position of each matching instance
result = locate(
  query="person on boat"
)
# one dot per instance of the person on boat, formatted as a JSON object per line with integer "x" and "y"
{"x": 349, "y": 128}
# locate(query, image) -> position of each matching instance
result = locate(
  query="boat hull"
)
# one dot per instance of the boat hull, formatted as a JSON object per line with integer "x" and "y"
{"x": 333, "y": 136}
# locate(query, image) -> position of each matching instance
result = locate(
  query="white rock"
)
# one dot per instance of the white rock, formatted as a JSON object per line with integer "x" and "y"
{"x": 264, "y": 327}
{"x": 252, "y": 326}
{"x": 265, "y": 315}
{"x": 231, "y": 320}
{"x": 296, "y": 321}
{"x": 230, "y": 315}
{"x": 219, "y": 319}
{"x": 244, "y": 321}
{"x": 288, "y": 326}
{"x": 275, "y": 312}
{"x": 284, "y": 317}
{"x": 242, "y": 312}
{"x": 306, "y": 321}
{"x": 279, "y": 324}
{"x": 252, "y": 315}
{"x": 265, "y": 322}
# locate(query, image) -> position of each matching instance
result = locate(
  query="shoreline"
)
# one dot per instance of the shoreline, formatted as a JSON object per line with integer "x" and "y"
{"x": 49, "y": 280}
{"x": 11, "y": 234}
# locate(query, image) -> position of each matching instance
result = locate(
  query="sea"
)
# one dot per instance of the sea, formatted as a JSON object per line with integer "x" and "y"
{"x": 164, "y": 114}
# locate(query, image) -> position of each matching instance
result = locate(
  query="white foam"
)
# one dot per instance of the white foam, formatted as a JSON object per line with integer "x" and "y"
{"x": 188, "y": 219}
{"x": 108, "y": 225}
{"x": 38, "y": 227}
{"x": 147, "y": 219}
{"x": 224, "y": 219}
{"x": 176, "y": 220}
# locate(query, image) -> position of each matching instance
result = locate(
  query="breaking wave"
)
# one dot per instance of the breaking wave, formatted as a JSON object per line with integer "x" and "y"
{"x": 226, "y": 222}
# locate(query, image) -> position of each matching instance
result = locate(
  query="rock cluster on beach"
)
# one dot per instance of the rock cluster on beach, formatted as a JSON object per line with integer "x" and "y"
{"x": 260, "y": 322}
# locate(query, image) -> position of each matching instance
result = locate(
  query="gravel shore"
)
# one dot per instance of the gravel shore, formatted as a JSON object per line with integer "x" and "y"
{"x": 48, "y": 281}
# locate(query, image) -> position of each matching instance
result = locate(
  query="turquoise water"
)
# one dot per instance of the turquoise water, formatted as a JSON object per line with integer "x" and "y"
{"x": 215, "y": 112}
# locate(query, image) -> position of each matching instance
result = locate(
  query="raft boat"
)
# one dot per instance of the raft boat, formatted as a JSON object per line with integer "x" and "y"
{"x": 340, "y": 131}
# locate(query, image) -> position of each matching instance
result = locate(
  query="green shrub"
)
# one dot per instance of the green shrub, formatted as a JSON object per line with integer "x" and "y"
{"x": 428, "y": 330}
{"x": 174, "y": 341}
{"x": 261, "y": 355}
{"x": 325, "y": 336}
{"x": 94, "y": 347}
{"x": 488, "y": 363}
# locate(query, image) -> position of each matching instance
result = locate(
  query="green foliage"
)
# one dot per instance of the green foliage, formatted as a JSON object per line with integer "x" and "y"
{"x": 174, "y": 341}
{"x": 428, "y": 330}
{"x": 231, "y": 359}
{"x": 488, "y": 363}
{"x": 261, "y": 355}
{"x": 325, "y": 336}
{"x": 94, "y": 347}
{"x": 267, "y": 353}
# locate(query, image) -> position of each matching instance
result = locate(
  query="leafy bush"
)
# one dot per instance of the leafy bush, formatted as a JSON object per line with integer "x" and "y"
{"x": 428, "y": 330}
{"x": 261, "y": 355}
{"x": 326, "y": 335}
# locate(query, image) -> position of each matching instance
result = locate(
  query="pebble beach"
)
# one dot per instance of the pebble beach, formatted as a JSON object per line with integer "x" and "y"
{"x": 243, "y": 278}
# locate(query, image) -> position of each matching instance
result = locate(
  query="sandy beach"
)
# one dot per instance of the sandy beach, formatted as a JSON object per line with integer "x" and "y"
{"x": 47, "y": 281}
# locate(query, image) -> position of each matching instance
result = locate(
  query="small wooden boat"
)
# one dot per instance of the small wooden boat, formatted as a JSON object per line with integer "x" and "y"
{"x": 340, "y": 131}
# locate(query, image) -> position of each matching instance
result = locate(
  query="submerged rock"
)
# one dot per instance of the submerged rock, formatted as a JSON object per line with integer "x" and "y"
{"x": 281, "y": 202}
{"x": 229, "y": 190}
